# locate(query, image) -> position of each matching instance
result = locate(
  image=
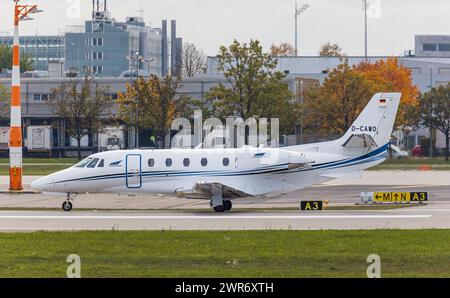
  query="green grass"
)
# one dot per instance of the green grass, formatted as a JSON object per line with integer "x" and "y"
{"x": 404, "y": 253}
{"x": 438, "y": 164}
{"x": 43, "y": 160}
{"x": 39, "y": 166}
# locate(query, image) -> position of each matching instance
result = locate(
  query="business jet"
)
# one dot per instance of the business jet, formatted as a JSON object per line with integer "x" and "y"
{"x": 222, "y": 175}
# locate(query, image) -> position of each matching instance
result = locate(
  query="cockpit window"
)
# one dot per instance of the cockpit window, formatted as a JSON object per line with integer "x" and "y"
{"x": 93, "y": 163}
{"x": 101, "y": 164}
{"x": 83, "y": 163}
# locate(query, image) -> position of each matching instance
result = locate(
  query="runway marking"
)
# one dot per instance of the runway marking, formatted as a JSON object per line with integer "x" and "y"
{"x": 123, "y": 217}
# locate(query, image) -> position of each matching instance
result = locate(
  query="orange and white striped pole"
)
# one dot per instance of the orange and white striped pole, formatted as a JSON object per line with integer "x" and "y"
{"x": 15, "y": 133}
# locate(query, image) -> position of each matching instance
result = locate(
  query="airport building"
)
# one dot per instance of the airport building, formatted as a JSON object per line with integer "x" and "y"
{"x": 44, "y": 132}
{"x": 106, "y": 47}
{"x": 41, "y": 49}
{"x": 302, "y": 73}
{"x": 429, "y": 63}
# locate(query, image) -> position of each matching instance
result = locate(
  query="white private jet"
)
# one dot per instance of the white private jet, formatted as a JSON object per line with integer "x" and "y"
{"x": 222, "y": 175}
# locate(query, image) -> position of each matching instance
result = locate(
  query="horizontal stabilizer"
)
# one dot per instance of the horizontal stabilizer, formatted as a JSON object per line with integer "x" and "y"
{"x": 360, "y": 140}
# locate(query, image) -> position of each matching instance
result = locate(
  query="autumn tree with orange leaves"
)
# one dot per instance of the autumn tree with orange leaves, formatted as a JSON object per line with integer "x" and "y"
{"x": 282, "y": 50}
{"x": 331, "y": 108}
{"x": 389, "y": 76}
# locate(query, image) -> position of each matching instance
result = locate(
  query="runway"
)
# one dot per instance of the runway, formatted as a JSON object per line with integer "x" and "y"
{"x": 152, "y": 212}
{"x": 423, "y": 217}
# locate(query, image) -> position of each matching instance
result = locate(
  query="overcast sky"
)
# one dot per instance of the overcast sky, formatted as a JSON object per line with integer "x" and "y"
{"x": 211, "y": 23}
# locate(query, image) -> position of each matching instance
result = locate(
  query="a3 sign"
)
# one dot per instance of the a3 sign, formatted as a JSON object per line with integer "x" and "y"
{"x": 311, "y": 205}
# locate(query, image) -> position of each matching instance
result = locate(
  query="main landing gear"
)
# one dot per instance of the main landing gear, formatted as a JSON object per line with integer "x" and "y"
{"x": 227, "y": 205}
{"x": 217, "y": 202}
{"x": 67, "y": 205}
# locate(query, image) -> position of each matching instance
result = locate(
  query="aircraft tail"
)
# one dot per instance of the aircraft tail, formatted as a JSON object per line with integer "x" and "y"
{"x": 373, "y": 127}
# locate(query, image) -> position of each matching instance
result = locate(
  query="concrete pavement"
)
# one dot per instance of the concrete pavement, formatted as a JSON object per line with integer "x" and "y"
{"x": 408, "y": 218}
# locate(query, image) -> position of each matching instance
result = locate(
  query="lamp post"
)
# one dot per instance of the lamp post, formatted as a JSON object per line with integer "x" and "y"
{"x": 298, "y": 12}
{"x": 431, "y": 113}
{"x": 365, "y": 27}
{"x": 21, "y": 13}
{"x": 148, "y": 61}
{"x": 135, "y": 58}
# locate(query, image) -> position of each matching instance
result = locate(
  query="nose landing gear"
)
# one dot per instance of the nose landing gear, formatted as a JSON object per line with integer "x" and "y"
{"x": 67, "y": 205}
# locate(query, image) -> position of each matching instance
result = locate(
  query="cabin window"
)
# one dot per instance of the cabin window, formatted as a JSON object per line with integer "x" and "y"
{"x": 186, "y": 162}
{"x": 226, "y": 162}
{"x": 83, "y": 163}
{"x": 151, "y": 162}
{"x": 204, "y": 162}
{"x": 93, "y": 163}
{"x": 101, "y": 164}
{"x": 168, "y": 162}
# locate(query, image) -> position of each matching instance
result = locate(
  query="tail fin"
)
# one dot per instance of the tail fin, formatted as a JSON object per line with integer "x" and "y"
{"x": 373, "y": 127}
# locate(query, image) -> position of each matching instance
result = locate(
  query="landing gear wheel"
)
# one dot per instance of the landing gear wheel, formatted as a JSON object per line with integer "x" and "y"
{"x": 67, "y": 206}
{"x": 219, "y": 209}
{"x": 227, "y": 205}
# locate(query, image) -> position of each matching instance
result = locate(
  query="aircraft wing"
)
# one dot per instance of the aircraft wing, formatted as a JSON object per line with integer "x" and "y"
{"x": 205, "y": 191}
{"x": 360, "y": 140}
{"x": 227, "y": 191}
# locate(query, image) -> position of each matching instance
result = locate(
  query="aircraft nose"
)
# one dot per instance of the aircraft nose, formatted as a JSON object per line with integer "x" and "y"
{"x": 39, "y": 184}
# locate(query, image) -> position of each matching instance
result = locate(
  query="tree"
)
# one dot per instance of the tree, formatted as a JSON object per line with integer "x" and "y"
{"x": 331, "y": 50}
{"x": 435, "y": 112}
{"x": 155, "y": 101}
{"x": 26, "y": 63}
{"x": 335, "y": 105}
{"x": 389, "y": 76}
{"x": 4, "y": 103}
{"x": 256, "y": 89}
{"x": 83, "y": 107}
{"x": 193, "y": 60}
{"x": 282, "y": 50}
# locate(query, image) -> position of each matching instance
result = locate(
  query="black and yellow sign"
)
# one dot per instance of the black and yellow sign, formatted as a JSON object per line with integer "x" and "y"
{"x": 399, "y": 197}
{"x": 311, "y": 205}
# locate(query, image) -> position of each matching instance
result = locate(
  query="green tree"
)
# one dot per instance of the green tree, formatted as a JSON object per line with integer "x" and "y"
{"x": 435, "y": 112}
{"x": 83, "y": 106}
{"x": 26, "y": 63}
{"x": 256, "y": 89}
{"x": 156, "y": 103}
{"x": 4, "y": 102}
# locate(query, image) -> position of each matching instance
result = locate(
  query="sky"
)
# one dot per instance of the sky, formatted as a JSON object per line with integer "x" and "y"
{"x": 211, "y": 23}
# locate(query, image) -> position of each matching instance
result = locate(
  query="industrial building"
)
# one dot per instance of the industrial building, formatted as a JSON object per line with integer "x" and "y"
{"x": 109, "y": 48}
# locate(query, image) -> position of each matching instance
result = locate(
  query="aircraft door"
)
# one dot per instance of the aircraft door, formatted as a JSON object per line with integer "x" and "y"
{"x": 133, "y": 170}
